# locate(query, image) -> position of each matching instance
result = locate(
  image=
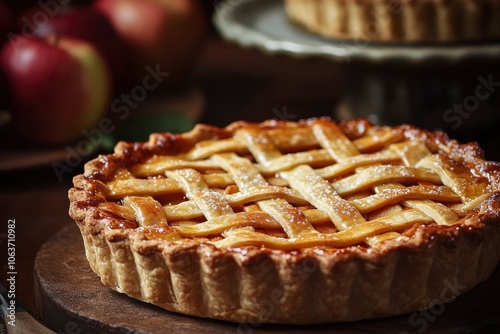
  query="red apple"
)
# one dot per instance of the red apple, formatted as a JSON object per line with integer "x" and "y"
{"x": 78, "y": 22}
{"x": 164, "y": 33}
{"x": 6, "y": 21}
{"x": 58, "y": 87}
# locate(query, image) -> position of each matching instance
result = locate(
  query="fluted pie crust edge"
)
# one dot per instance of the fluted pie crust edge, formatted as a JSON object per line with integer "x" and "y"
{"x": 259, "y": 285}
{"x": 404, "y": 21}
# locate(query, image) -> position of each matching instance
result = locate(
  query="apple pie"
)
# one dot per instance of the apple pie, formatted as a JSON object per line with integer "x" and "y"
{"x": 291, "y": 222}
{"x": 413, "y": 21}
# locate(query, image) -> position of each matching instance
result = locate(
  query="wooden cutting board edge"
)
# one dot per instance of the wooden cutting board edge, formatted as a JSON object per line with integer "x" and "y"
{"x": 70, "y": 299}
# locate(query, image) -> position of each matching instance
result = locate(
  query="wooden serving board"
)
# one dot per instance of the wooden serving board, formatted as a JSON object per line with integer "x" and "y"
{"x": 71, "y": 299}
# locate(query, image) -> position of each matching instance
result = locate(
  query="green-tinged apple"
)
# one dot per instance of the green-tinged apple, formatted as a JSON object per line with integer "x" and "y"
{"x": 157, "y": 33}
{"x": 58, "y": 87}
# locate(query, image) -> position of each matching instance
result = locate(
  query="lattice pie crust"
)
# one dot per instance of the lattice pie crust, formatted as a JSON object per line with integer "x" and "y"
{"x": 399, "y": 20}
{"x": 291, "y": 222}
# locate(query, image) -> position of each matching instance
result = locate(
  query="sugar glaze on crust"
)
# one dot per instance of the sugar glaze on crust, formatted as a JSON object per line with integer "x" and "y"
{"x": 254, "y": 283}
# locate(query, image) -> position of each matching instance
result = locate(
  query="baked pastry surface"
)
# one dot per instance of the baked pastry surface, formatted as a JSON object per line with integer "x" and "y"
{"x": 413, "y": 21}
{"x": 291, "y": 222}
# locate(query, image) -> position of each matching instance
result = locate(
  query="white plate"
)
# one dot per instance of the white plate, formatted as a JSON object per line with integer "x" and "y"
{"x": 262, "y": 24}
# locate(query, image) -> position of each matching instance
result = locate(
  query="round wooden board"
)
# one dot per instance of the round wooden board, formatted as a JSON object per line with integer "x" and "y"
{"x": 71, "y": 299}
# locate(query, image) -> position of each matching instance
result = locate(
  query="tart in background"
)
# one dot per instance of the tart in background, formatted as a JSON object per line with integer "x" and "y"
{"x": 408, "y": 21}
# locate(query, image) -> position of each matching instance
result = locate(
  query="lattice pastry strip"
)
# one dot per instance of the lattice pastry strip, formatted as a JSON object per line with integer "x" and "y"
{"x": 163, "y": 186}
{"x": 371, "y": 176}
{"x": 455, "y": 176}
{"x": 372, "y": 171}
{"x": 377, "y": 140}
{"x": 206, "y": 149}
{"x": 385, "y": 195}
{"x": 313, "y": 186}
{"x": 247, "y": 176}
{"x": 259, "y": 144}
{"x": 148, "y": 212}
{"x": 289, "y": 139}
{"x": 210, "y": 202}
{"x": 441, "y": 214}
{"x": 159, "y": 165}
{"x": 189, "y": 209}
{"x": 412, "y": 154}
{"x": 349, "y": 164}
{"x": 322, "y": 195}
{"x": 345, "y": 238}
{"x": 335, "y": 141}
{"x": 163, "y": 164}
{"x": 342, "y": 149}
{"x": 269, "y": 157}
{"x": 120, "y": 187}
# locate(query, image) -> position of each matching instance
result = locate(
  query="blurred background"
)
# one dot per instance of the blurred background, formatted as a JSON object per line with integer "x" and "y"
{"x": 166, "y": 67}
{"x": 77, "y": 76}
{"x": 209, "y": 80}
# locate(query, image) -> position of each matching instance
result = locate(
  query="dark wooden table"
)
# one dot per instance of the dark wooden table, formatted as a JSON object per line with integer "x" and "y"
{"x": 237, "y": 84}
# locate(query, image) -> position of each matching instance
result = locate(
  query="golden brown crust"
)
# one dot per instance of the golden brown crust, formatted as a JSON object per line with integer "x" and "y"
{"x": 311, "y": 285}
{"x": 428, "y": 21}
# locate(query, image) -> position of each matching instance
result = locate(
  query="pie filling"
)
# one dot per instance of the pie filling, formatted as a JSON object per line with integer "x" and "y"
{"x": 179, "y": 213}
